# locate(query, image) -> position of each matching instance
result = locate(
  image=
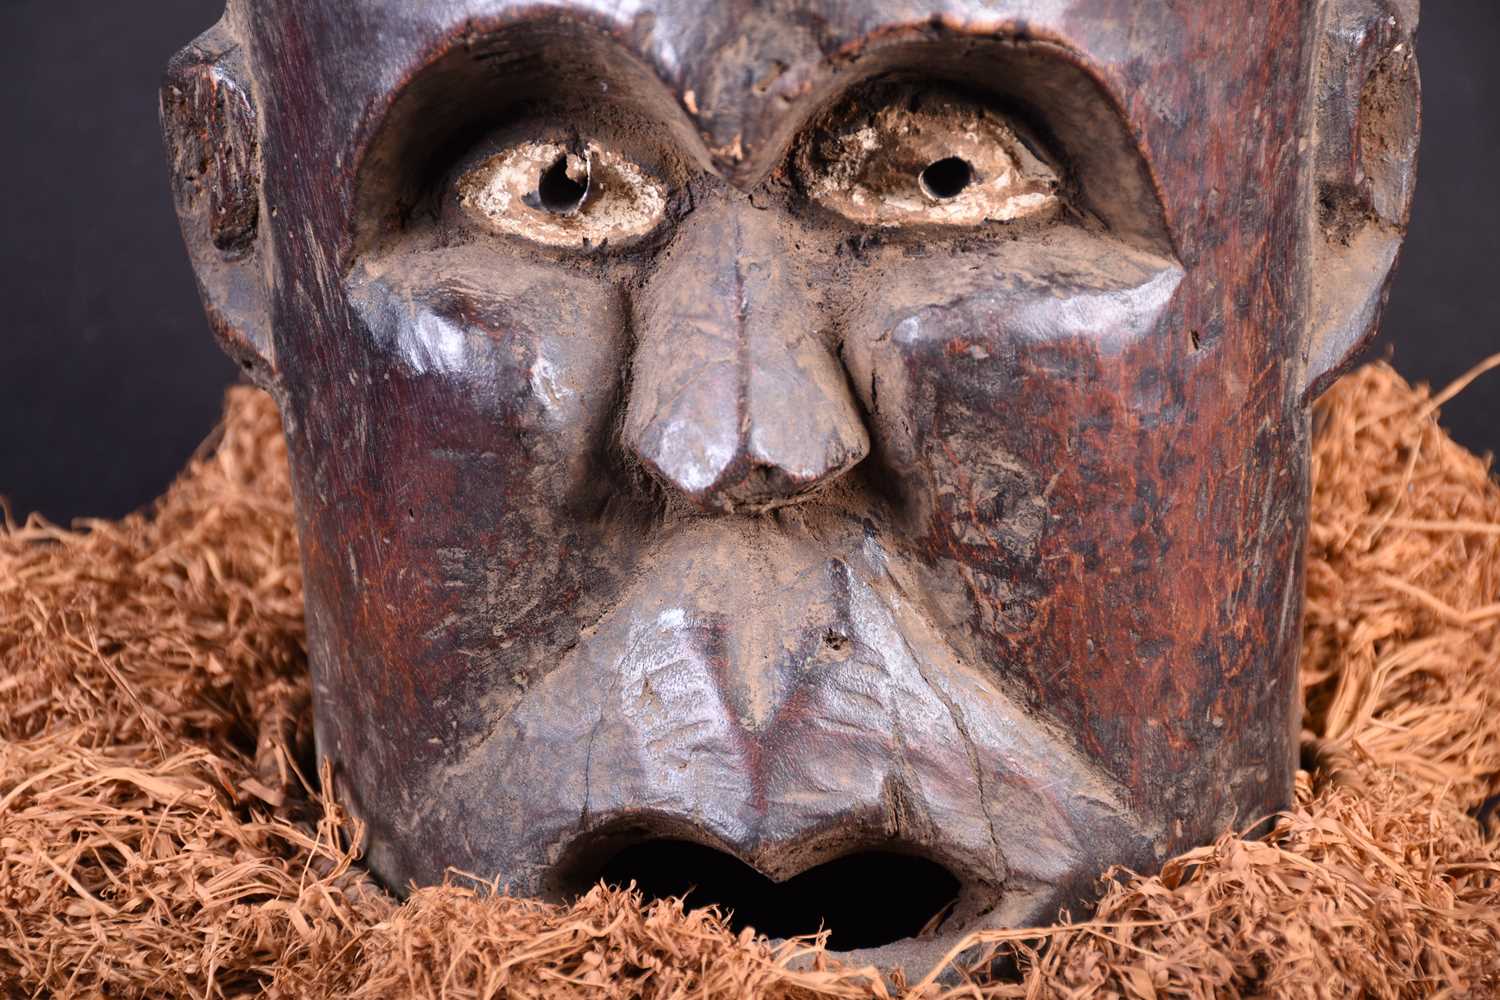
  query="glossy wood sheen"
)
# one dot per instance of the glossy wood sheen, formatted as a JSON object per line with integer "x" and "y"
{"x": 772, "y": 532}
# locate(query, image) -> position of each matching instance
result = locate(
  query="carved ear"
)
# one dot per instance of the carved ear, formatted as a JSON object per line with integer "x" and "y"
{"x": 209, "y": 121}
{"x": 1367, "y": 121}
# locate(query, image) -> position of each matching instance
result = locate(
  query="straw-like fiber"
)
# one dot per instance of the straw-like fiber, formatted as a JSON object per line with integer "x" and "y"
{"x": 157, "y": 838}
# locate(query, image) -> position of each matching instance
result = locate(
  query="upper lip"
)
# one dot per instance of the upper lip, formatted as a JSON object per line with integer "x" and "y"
{"x": 653, "y": 727}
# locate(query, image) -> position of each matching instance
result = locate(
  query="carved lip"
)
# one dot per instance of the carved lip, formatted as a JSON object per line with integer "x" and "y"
{"x": 935, "y": 921}
{"x": 787, "y": 723}
{"x": 777, "y": 859}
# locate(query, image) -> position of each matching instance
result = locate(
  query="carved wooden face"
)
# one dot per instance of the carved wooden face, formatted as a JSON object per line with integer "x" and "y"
{"x": 799, "y": 428}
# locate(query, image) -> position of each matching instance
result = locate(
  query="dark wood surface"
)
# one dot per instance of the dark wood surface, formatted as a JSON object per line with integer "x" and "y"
{"x": 788, "y": 535}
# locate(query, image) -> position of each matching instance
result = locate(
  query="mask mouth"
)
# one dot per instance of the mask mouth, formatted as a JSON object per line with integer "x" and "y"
{"x": 883, "y": 895}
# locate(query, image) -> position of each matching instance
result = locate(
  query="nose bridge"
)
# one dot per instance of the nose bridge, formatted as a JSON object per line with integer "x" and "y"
{"x": 735, "y": 400}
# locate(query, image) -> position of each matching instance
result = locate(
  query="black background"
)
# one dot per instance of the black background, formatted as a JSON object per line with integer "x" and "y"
{"x": 109, "y": 377}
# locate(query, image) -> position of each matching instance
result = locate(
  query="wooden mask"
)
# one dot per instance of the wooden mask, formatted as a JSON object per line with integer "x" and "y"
{"x": 800, "y": 427}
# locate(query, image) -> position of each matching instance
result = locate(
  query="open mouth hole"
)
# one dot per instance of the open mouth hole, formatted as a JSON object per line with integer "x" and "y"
{"x": 865, "y": 900}
{"x": 947, "y": 178}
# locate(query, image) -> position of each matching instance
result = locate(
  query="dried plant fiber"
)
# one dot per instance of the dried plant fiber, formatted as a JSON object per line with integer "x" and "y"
{"x": 157, "y": 840}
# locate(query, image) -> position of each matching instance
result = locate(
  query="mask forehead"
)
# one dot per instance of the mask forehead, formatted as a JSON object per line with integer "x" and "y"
{"x": 1210, "y": 131}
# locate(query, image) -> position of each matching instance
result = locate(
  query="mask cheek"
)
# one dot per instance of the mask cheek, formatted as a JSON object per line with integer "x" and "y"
{"x": 993, "y": 358}
{"x": 524, "y": 370}
{"x": 982, "y": 399}
{"x": 455, "y": 547}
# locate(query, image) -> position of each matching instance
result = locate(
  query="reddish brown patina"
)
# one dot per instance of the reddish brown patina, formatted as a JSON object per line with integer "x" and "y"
{"x": 799, "y": 427}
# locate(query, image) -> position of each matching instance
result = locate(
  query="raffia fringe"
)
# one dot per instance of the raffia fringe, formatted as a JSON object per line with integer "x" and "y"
{"x": 157, "y": 839}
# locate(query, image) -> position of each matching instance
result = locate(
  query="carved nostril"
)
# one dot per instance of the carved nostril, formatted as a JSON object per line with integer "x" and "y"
{"x": 744, "y": 433}
{"x": 764, "y": 486}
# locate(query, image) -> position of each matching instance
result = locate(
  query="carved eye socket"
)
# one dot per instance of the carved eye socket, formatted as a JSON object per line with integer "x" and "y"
{"x": 933, "y": 161}
{"x": 549, "y": 194}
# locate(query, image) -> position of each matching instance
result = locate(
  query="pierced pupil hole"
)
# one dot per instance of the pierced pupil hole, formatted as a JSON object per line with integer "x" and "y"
{"x": 947, "y": 178}
{"x": 558, "y": 192}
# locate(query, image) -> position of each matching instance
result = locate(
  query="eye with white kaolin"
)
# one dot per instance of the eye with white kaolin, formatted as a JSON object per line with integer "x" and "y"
{"x": 931, "y": 162}
{"x": 573, "y": 198}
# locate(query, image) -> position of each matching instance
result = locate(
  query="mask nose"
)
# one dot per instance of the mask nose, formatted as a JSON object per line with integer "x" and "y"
{"x": 736, "y": 402}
